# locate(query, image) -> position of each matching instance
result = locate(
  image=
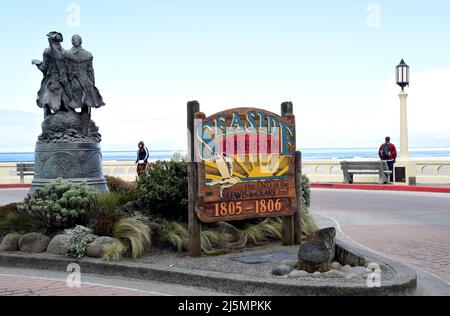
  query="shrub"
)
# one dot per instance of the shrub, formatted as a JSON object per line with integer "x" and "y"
{"x": 254, "y": 234}
{"x": 110, "y": 202}
{"x": 10, "y": 208}
{"x": 79, "y": 238}
{"x": 306, "y": 186}
{"x": 163, "y": 189}
{"x": 212, "y": 240}
{"x": 134, "y": 233}
{"x": 175, "y": 235}
{"x": 60, "y": 204}
{"x": 308, "y": 224}
{"x": 14, "y": 222}
{"x": 104, "y": 224}
{"x": 118, "y": 185}
{"x": 113, "y": 253}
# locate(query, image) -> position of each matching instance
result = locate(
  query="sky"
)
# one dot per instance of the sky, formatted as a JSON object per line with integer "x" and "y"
{"x": 335, "y": 60}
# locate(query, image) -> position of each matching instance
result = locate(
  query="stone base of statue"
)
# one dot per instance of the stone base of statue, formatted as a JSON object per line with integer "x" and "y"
{"x": 77, "y": 162}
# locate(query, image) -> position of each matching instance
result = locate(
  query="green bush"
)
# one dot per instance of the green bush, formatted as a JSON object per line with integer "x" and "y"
{"x": 79, "y": 238}
{"x": 163, "y": 190}
{"x": 14, "y": 222}
{"x": 104, "y": 224}
{"x": 110, "y": 202}
{"x": 10, "y": 208}
{"x": 306, "y": 186}
{"x": 118, "y": 185}
{"x": 60, "y": 204}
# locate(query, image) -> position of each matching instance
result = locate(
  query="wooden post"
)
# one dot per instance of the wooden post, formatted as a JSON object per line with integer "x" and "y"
{"x": 299, "y": 187}
{"x": 194, "y": 223}
{"x": 288, "y": 234}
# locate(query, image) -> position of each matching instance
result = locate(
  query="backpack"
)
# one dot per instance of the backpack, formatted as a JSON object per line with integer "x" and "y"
{"x": 386, "y": 151}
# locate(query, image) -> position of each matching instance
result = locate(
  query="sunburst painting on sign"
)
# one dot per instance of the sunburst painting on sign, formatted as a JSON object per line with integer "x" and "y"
{"x": 246, "y": 159}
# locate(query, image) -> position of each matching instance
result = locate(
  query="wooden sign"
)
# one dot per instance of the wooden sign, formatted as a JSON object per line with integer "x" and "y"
{"x": 245, "y": 165}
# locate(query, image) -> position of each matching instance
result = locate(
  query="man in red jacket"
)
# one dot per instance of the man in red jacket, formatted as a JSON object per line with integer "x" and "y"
{"x": 388, "y": 153}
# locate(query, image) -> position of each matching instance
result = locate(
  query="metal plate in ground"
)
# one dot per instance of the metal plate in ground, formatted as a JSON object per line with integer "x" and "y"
{"x": 266, "y": 257}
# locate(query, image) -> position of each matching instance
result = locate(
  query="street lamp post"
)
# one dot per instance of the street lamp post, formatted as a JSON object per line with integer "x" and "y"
{"x": 410, "y": 171}
{"x": 402, "y": 76}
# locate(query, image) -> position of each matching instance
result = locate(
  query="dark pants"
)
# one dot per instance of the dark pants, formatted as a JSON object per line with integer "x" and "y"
{"x": 141, "y": 168}
{"x": 391, "y": 167}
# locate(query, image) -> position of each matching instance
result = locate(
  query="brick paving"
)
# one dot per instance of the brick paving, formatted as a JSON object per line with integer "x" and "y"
{"x": 413, "y": 228}
{"x": 24, "y": 286}
{"x": 426, "y": 247}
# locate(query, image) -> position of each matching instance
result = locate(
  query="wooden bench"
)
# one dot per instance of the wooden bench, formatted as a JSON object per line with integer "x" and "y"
{"x": 25, "y": 169}
{"x": 380, "y": 168}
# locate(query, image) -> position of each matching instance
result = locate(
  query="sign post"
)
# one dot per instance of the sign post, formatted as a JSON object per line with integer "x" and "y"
{"x": 244, "y": 166}
{"x": 194, "y": 224}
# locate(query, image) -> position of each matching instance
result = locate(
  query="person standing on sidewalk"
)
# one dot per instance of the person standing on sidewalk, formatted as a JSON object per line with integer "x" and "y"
{"x": 142, "y": 158}
{"x": 388, "y": 152}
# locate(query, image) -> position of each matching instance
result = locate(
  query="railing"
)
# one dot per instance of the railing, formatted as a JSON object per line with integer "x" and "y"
{"x": 435, "y": 172}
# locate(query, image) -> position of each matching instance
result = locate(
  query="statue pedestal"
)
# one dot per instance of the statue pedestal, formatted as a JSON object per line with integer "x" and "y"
{"x": 77, "y": 162}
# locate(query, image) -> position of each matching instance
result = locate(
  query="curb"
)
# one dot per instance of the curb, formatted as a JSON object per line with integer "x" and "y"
{"x": 15, "y": 186}
{"x": 377, "y": 187}
{"x": 403, "y": 283}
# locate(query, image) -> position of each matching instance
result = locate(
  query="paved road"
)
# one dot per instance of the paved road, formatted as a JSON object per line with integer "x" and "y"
{"x": 413, "y": 228}
{"x": 12, "y": 195}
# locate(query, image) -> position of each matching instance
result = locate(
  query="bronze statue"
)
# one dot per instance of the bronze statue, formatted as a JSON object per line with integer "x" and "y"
{"x": 69, "y": 146}
{"x": 68, "y": 86}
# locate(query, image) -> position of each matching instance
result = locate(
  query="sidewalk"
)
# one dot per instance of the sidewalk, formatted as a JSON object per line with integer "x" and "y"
{"x": 379, "y": 187}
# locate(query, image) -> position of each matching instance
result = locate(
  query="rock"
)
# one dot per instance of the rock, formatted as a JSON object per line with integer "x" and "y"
{"x": 314, "y": 256}
{"x": 229, "y": 229}
{"x": 96, "y": 248}
{"x": 328, "y": 237}
{"x": 335, "y": 274}
{"x": 58, "y": 245}
{"x": 316, "y": 275}
{"x": 336, "y": 266}
{"x": 34, "y": 243}
{"x": 282, "y": 270}
{"x": 291, "y": 263}
{"x": 298, "y": 274}
{"x": 10, "y": 242}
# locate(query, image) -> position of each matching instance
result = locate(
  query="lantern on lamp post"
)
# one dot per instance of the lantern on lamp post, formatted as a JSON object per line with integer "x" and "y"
{"x": 402, "y": 75}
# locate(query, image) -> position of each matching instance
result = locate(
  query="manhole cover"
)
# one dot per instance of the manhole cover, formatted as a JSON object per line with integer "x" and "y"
{"x": 265, "y": 257}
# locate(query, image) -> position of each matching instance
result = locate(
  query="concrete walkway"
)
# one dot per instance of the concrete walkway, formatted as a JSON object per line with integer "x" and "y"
{"x": 411, "y": 227}
{"x": 12, "y": 195}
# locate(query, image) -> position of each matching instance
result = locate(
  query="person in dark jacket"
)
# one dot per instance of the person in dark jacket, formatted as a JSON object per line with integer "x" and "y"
{"x": 388, "y": 152}
{"x": 142, "y": 158}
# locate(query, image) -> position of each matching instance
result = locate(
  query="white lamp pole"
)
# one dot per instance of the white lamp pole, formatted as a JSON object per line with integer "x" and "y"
{"x": 402, "y": 76}
{"x": 404, "y": 146}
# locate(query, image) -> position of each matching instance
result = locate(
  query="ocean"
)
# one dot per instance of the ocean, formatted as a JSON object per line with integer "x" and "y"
{"x": 308, "y": 154}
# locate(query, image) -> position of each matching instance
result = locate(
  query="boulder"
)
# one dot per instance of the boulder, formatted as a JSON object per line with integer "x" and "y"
{"x": 10, "y": 242}
{"x": 282, "y": 270}
{"x": 96, "y": 248}
{"x": 314, "y": 256}
{"x": 328, "y": 237}
{"x": 58, "y": 245}
{"x": 34, "y": 243}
